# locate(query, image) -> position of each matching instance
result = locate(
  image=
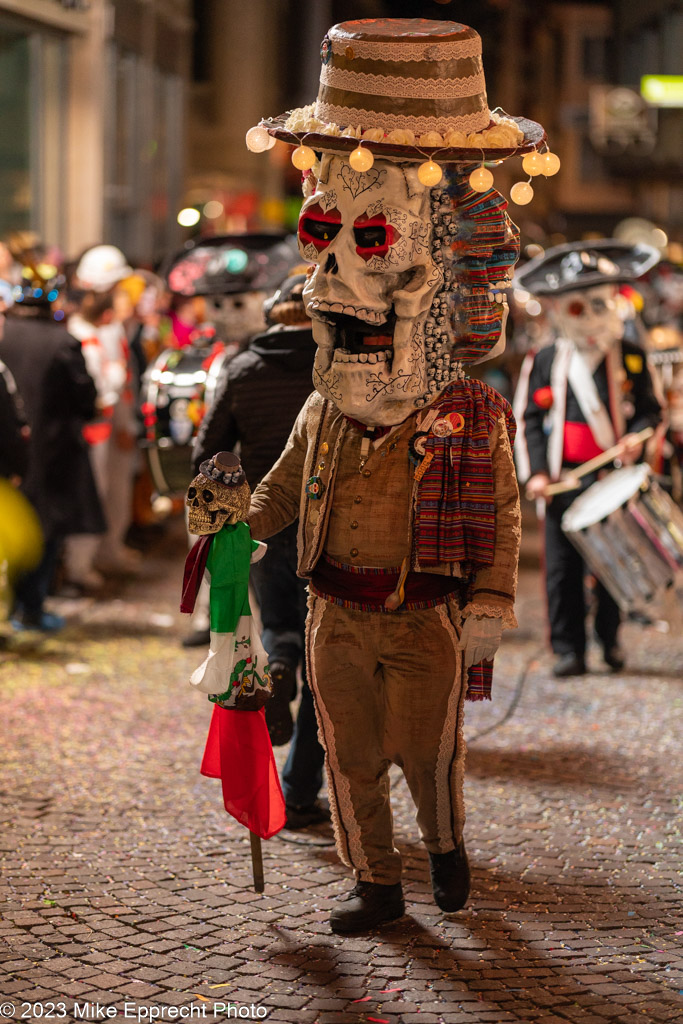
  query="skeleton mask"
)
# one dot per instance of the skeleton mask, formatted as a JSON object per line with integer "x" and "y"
{"x": 396, "y": 297}
{"x": 589, "y": 317}
{"x": 219, "y": 494}
{"x": 237, "y": 317}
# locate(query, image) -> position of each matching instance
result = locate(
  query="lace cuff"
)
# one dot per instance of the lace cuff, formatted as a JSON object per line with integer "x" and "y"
{"x": 493, "y": 610}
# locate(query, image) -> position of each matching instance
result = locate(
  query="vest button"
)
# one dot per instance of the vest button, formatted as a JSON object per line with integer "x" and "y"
{"x": 354, "y": 524}
{"x": 354, "y": 552}
{"x": 367, "y": 472}
{"x": 357, "y": 500}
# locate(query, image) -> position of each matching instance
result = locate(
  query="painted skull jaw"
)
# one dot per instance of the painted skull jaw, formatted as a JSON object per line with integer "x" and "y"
{"x": 374, "y": 282}
{"x": 589, "y": 317}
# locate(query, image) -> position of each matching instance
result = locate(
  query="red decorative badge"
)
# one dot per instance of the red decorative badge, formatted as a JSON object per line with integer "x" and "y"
{"x": 543, "y": 397}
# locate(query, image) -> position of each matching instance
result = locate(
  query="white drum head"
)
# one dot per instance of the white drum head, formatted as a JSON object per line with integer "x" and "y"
{"x": 604, "y": 497}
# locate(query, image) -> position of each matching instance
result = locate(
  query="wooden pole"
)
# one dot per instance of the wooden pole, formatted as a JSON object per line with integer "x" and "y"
{"x": 256, "y": 862}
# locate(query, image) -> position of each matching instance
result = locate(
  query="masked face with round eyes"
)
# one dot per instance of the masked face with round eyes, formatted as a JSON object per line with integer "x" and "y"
{"x": 210, "y": 505}
{"x": 589, "y": 317}
{"x": 373, "y": 285}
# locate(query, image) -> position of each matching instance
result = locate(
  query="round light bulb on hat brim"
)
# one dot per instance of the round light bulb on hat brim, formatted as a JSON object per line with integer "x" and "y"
{"x": 429, "y": 173}
{"x": 521, "y": 193}
{"x": 481, "y": 179}
{"x": 258, "y": 140}
{"x": 533, "y": 164}
{"x": 303, "y": 158}
{"x": 551, "y": 164}
{"x": 361, "y": 159}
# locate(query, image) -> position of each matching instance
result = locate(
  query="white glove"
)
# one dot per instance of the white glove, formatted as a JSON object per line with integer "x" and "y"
{"x": 480, "y": 638}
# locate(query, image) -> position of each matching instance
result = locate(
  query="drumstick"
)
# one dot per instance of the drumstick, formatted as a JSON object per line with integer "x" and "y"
{"x": 562, "y": 486}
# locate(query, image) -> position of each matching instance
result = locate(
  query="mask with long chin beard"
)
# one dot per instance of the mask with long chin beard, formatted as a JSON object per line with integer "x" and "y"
{"x": 402, "y": 292}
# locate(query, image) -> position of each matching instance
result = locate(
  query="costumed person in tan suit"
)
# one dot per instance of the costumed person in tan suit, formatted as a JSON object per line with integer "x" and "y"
{"x": 399, "y": 467}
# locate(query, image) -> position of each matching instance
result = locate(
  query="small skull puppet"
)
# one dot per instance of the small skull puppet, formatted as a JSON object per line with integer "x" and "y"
{"x": 235, "y": 672}
{"x": 219, "y": 494}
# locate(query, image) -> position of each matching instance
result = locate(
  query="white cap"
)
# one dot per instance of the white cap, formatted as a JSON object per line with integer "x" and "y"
{"x": 102, "y": 267}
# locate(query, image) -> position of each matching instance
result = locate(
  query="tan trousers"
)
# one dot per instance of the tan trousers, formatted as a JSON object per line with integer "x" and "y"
{"x": 388, "y": 689}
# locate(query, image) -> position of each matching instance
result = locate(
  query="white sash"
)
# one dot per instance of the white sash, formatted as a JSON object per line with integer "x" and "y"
{"x": 583, "y": 385}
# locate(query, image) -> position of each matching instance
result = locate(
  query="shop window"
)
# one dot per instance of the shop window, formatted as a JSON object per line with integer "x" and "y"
{"x": 15, "y": 137}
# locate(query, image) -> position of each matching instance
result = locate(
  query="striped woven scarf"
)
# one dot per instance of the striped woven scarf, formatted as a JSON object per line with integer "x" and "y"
{"x": 455, "y": 519}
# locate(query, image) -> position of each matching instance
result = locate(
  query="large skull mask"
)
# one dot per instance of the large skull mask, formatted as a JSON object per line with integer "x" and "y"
{"x": 373, "y": 285}
{"x": 402, "y": 288}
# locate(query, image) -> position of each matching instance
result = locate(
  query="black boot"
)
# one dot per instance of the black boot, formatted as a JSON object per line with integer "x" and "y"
{"x": 450, "y": 878}
{"x": 367, "y": 905}
{"x": 570, "y": 664}
{"x": 614, "y": 657}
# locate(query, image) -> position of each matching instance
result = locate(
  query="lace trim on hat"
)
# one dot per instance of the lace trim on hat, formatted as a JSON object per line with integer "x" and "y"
{"x": 424, "y": 51}
{"x": 354, "y": 115}
{"x": 410, "y": 88}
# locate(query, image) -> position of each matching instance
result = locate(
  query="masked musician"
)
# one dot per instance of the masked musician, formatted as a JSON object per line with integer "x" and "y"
{"x": 588, "y": 391}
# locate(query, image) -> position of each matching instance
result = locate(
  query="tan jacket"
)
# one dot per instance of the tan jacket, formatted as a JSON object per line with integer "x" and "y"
{"x": 321, "y": 437}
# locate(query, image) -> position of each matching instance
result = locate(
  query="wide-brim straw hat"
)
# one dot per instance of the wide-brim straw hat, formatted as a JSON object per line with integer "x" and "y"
{"x": 392, "y": 83}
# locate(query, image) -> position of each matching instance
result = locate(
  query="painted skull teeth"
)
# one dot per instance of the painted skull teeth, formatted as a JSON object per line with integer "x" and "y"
{"x": 342, "y": 355}
{"x": 318, "y": 306}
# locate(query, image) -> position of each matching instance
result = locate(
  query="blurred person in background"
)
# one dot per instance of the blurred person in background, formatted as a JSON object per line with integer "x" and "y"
{"x": 262, "y": 393}
{"x": 96, "y": 309}
{"x": 101, "y": 270}
{"x": 59, "y": 397}
{"x": 185, "y": 314}
{"x": 14, "y": 431}
{"x": 587, "y": 392}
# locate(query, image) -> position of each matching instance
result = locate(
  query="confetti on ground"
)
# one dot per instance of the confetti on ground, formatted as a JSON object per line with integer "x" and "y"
{"x": 118, "y": 857}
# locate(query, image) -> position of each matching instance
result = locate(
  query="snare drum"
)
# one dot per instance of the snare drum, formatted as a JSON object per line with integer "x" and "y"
{"x": 177, "y": 391}
{"x": 630, "y": 534}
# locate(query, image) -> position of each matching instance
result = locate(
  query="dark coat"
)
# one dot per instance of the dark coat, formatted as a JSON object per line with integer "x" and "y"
{"x": 13, "y": 429}
{"x": 646, "y": 409}
{"x": 260, "y": 397}
{"x": 59, "y": 398}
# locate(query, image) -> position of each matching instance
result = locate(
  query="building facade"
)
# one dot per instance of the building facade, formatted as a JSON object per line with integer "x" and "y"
{"x": 92, "y": 144}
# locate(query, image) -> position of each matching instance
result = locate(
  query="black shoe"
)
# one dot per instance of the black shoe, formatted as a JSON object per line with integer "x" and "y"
{"x": 569, "y": 665}
{"x": 614, "y": 657}
{"x": 278, "y": 714}
{"x": 450, "y": 878}
{"x": 367, "y": 905}
{"x": 309, "y": 814}
{"x": 197, "y": 638}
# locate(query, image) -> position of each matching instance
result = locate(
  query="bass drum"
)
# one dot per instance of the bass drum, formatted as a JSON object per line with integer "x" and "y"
{"x": 630, "y": 534}
{"x": 177, "y": 390}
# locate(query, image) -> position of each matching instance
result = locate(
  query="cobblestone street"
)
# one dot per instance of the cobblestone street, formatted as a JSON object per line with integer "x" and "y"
{"x": 125, "y": 882}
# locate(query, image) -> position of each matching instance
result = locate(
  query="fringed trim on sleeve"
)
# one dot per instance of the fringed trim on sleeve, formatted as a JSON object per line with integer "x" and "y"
{"x": 493, "y": 611}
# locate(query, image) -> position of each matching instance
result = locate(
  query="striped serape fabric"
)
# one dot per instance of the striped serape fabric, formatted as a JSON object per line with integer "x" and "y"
{"x": 455, "y": 519}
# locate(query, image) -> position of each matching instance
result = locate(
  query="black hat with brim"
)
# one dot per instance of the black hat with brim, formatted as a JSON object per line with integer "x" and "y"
{"x": 585, "y": 264}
